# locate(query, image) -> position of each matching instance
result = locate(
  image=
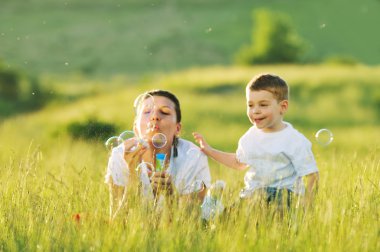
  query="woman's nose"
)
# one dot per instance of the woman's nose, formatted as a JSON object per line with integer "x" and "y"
{"x": 154, "y": 116}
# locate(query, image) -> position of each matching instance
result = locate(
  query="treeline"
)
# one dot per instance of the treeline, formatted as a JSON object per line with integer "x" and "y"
{"x": 19, "y": 92}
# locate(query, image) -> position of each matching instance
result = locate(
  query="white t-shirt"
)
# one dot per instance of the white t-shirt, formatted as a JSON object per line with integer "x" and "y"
{"x": 277, "y": 159}
{"x": 189, "y": 166}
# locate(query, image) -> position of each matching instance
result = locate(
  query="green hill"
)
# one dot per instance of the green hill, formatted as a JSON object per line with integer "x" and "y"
{"x": 105, "y": 37}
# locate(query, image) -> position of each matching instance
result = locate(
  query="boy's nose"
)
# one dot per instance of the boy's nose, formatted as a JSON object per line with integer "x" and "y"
{"x": 255, "y": 110}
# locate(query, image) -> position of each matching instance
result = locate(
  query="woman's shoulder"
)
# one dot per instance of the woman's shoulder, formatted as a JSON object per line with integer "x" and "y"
{"x": 186, "y": 145}
{"x": 189, "y": 152}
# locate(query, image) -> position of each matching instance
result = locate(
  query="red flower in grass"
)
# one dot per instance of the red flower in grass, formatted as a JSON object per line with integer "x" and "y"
{"x": 76, "y": 217}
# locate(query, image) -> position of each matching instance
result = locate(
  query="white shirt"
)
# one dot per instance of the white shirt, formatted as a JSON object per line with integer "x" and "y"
{"x": 277, "y": 159}
{"x": 189, "y": 166}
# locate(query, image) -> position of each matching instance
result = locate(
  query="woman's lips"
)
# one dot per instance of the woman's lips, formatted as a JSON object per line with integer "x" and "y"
{"x": 153, "y": 127}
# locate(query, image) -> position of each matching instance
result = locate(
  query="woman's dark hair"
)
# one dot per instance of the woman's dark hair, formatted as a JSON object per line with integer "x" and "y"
{"x": 170, "y": 96}
{"x": 177, "y": 108}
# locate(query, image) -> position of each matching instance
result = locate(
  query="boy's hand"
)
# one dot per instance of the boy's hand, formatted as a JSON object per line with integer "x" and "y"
{"x": 311, "y": 188}
{"x": 203, "y": 145}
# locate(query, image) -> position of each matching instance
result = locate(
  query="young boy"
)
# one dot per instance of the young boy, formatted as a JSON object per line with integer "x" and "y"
{"x": 277, "y": 155}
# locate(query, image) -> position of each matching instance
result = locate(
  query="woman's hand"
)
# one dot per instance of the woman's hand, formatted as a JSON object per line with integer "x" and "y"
{"x": 161, "y": 182}
{"x": 133, "y": 150}
{"x": 203, "y": 145}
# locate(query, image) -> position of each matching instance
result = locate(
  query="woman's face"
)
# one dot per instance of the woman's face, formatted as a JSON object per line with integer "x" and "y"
{"x": 157, "y": 114}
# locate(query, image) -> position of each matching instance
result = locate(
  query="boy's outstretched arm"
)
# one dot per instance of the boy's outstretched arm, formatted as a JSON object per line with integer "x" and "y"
{"x": 225, "y": 158}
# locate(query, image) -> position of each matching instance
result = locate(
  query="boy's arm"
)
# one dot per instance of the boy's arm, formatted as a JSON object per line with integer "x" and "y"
{"x": 311, "y": 181}
{"x": 225, "y": 158}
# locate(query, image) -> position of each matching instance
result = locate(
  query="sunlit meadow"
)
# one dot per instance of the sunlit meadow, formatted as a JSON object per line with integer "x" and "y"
{"x": 53, "y": 196}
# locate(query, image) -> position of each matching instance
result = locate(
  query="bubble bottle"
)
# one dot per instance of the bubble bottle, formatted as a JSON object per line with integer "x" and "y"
{"x": 160, "y": 161}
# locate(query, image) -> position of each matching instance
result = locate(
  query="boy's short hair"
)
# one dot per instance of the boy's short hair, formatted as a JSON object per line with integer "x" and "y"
{"x": 271, "y": 83}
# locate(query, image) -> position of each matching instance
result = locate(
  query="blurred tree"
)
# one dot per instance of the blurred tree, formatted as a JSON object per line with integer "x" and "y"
{"x": 9, "y": 83}
{"x": 274, "y": 40}
{"x": 92, "y": 129}
{"x": 20, "y": 92}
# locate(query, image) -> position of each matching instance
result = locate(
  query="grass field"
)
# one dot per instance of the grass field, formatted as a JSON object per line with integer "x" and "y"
{"x": 53, "y": 196}
{"x": 106, "y": 37}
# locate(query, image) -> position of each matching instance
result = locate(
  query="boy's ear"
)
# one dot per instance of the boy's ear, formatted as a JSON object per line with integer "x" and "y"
{"x": 284, "y": 106}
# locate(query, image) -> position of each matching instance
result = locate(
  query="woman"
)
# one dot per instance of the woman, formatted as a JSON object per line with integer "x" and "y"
{"x": 133, "y": 163}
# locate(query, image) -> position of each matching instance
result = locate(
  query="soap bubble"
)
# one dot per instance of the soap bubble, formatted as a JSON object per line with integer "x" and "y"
{"x": 124, "y": 136}
{"x": 159, "y": 140}
{"x": 127, "y": 134}
{"x": 112, "y": 142}
{"x": 216, "y": 189}
{"x": 324, "y": 137}
{"x": 143, "y": 103}
{"x": 145, "y": 167}
{"x": 197, "y": 186}
{"x": 244, "y": 193}
{"x": 250, "y": 175}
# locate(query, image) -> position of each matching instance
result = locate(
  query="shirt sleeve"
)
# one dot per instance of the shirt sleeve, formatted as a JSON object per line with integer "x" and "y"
{"x": 303, "y": 159}
{"x": 240, "y": 153}
{"x": 117, "y": 168}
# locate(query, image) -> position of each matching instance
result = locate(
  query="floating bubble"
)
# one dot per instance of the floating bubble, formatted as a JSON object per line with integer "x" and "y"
{"x": 324, "y": 137}
{"x": 250, "y": 175}
{"x": 127, "y": 134}
{"x": 216, "y": 189}
{"x": 144, "y": 167}
{"x": 150, "y": 127}
{"x": 144, "y": 103}
{"x": 244, "y": 193}
{"x": 112, "y": 142}
{"x": 197, "y": 186}
{"x": 159, "y": 140}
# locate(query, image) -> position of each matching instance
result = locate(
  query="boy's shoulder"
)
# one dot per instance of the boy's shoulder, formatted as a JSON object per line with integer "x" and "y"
{"x": 288, "y": 135}
{"x": 295, "y": 135}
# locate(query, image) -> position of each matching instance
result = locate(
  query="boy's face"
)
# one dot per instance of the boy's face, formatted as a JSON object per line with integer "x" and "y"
{"x": 265, "y": 111}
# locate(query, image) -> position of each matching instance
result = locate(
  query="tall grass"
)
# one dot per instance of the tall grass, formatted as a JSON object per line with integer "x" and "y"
{"x": 53, "y": 197}
{"x": 40, "y": 201}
